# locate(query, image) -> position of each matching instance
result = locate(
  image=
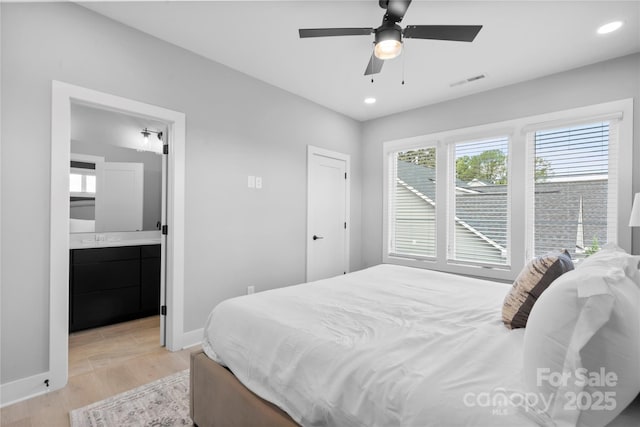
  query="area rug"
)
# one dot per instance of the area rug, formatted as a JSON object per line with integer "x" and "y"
{"x": 164, "y": 402}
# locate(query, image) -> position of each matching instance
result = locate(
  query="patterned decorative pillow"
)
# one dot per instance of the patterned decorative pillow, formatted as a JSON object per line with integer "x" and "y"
{"x": 534, "y": 278}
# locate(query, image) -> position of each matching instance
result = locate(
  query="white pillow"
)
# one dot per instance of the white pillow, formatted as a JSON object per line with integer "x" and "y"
{"x": 582, "y": 343}
{"x": 613, "y": 256}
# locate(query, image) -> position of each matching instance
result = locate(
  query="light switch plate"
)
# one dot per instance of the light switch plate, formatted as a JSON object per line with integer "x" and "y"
{"x": 251, "y": 181}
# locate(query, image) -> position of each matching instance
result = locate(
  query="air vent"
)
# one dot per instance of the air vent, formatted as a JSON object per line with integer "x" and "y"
{"x": 478, "y": 77}
{"x": 468, "y": 80}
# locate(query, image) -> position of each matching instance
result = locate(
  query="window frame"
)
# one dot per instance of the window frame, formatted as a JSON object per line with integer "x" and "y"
{"x": 520, "y": 228}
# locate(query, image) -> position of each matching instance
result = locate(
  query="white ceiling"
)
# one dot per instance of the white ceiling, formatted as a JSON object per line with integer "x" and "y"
{"x": 520, "y": 40}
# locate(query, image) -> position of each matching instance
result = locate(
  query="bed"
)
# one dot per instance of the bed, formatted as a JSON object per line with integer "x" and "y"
{"x": 385, "y": 346}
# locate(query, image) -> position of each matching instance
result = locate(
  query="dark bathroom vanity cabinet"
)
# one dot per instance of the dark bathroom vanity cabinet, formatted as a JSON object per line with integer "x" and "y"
{"x": 113, "y": 284}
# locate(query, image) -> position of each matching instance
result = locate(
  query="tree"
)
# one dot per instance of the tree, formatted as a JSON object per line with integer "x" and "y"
{"x": 595, "y": 247}
{"x": 489, "y": 166}
{"x": 543, "y": 169}
{"x": 423, "y": 156}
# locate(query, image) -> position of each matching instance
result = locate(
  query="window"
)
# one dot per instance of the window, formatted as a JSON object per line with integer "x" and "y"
{"x": 413, "y": 203}
{"x": 484, "y": 200}
{"x": 479, "y": 227}
{"x": 82, "y": 179}
{"x": 571, "y": 182}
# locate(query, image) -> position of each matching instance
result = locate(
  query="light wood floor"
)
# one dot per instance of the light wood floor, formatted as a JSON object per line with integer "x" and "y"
{"x": 102, "y": 362}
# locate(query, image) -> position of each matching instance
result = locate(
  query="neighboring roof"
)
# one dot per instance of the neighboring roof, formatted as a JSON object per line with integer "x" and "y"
{"x": 557, "y": 213}
{"x": 559, "y": 204}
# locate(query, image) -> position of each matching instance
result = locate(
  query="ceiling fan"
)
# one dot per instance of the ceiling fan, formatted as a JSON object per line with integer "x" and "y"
{"x": 389, "y": 35}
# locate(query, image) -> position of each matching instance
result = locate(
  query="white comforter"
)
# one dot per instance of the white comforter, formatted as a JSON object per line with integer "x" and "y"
{"x": 385, "y": 346}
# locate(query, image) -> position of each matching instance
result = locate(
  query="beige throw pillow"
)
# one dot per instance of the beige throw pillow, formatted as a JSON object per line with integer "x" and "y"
{"x": 536, "y": 276}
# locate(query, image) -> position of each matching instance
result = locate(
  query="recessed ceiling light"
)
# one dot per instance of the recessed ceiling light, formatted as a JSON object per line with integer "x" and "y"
{"x": 610, "y": 27}
{"x": 369, "y": 100}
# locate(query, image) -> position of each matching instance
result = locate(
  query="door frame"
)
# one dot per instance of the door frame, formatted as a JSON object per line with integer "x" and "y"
{"x": 323, "y": 152}
{"x": 63, "y": 94}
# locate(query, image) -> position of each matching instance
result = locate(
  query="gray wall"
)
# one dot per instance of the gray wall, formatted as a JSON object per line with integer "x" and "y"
{"x": 236, "y": 126}
{"x": 602, "y": 82}
{"x": 152, "y": 162}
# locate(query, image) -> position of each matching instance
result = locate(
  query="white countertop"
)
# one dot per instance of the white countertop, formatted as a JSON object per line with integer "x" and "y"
{"x": 106, "y": 240}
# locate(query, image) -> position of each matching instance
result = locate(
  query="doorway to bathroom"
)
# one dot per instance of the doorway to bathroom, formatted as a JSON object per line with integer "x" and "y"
{"x": 117, "y": 199}
{"x": 137, "y": 244}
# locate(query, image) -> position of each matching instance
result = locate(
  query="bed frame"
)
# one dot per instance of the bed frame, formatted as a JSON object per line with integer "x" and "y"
{"x": 218, "y": 399}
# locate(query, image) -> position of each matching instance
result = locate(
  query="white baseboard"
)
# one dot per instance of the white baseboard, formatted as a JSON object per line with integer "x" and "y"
{"x": 192, "y": 338}
{"x": 25, "y": 388}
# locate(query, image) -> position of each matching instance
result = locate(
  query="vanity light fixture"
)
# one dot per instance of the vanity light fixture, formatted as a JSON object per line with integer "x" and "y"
{"x": 146, "y": 132}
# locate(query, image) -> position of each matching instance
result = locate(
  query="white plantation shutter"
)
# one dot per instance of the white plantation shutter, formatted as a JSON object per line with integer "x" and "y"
{"x": 479, "y": 202}
{"x": 574, "y": 203}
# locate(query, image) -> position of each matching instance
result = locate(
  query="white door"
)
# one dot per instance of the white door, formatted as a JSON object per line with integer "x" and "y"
{"x": 119, "y": 196}
{"x": 327, "y": 215}
{"x": 163, "y": 241}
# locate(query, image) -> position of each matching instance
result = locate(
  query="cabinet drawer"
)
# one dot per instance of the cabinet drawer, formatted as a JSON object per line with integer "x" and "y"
{"x": 105, "y": 275}
{"x": 150, "y": 251}
{"x": 103, "y": 308}
{"x": 82, "y": 256}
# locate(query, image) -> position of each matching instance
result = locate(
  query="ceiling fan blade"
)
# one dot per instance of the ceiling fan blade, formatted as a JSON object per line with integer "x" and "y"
{"x": 459, "y": 33}
{"x": 374, "y": 66}
{"x": 396, "y": 9}
{"x": 330, "y": 32}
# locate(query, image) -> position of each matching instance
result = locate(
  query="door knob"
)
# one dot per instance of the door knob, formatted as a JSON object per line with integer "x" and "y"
{"x": 317, "y": 237}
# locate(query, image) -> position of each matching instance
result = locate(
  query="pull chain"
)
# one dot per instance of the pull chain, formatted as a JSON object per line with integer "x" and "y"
{"x": 403, "y": 55}
{"x": 372, "y": 53}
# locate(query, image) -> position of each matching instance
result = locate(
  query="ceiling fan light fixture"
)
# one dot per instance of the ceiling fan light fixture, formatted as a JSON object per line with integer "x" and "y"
{"x": 389, "y": 35}
{"x": 388, "y": 42}
{"x": 388, "y": 49}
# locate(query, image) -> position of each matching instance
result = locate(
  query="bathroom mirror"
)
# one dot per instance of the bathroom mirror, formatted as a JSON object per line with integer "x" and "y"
{"x": 115, "y": 176}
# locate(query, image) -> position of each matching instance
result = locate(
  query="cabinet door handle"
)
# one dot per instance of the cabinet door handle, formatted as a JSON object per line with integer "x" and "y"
{"x": 317, "y": 237}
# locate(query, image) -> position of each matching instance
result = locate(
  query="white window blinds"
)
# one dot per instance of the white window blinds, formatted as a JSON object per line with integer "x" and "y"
{"x": 484, "y": 200}
{"x": 574, "y": 180}
{"x": 479, "y": 202}
{"x": 412, "y": 203}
